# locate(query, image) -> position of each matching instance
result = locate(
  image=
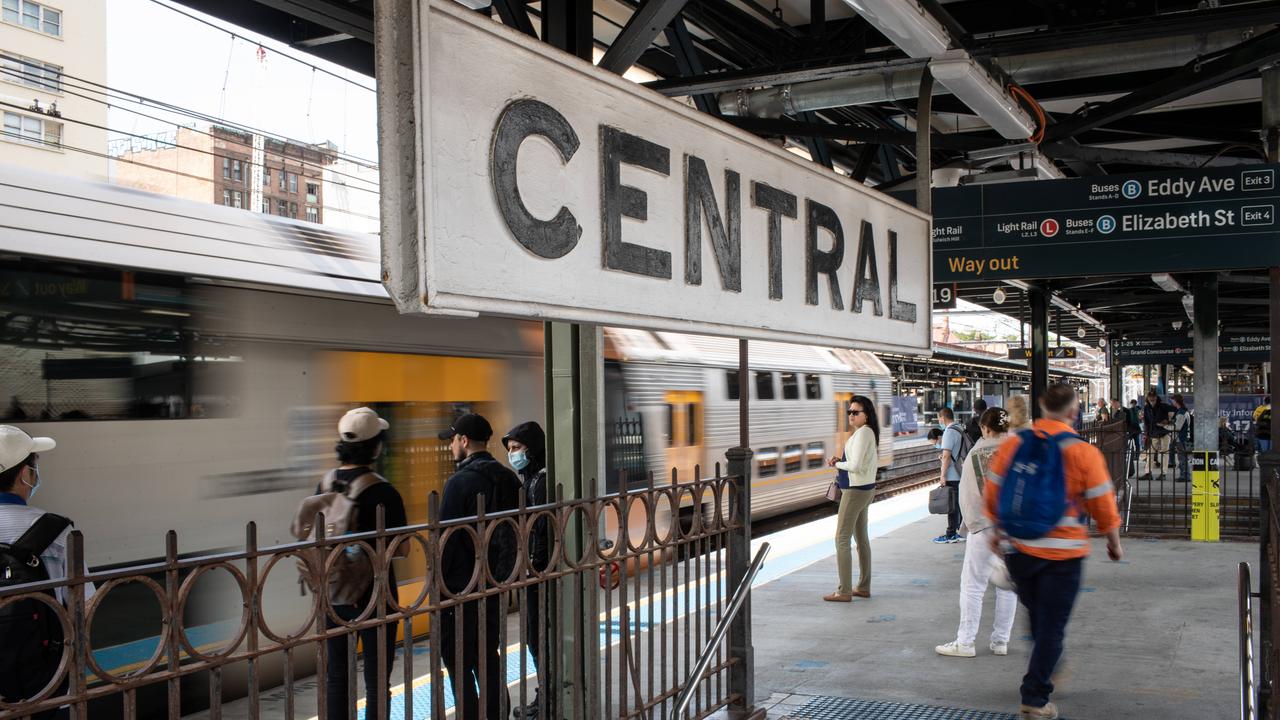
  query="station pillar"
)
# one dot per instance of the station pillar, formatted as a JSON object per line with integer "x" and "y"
{"x": 1039, "y": 347}
{"x": 1206, "y": 361}
{"x": 1269, "y": 554}
{"x": 1114, "y": 368}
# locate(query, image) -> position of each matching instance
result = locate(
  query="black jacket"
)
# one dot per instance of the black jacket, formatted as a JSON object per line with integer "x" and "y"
{"x": 534, "y": 477}
{"x": 479, "y": 474}
{"x": 1153, "y": 416}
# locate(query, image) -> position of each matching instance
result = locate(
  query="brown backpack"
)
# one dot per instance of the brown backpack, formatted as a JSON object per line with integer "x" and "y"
{"x": 352, "y": 573}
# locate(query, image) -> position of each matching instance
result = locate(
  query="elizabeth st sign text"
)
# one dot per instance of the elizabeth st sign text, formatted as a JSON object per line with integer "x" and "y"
{"x": 548, "y": 188}
{"x": 1211, "y": 219}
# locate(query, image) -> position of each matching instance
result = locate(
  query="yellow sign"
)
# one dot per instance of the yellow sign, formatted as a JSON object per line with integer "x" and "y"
{"x": 1206, "y": 496}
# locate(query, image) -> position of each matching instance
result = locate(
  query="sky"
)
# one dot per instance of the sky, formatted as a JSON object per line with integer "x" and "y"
{"x": 155, "y": 52}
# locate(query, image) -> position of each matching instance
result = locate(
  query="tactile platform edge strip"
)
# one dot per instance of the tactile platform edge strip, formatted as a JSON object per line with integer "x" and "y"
{"x": 837, "y": 708}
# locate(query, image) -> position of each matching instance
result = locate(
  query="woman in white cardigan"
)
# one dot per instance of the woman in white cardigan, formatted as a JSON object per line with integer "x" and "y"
{"x": 979, "y": 560}
{"x": 857, "y": 482}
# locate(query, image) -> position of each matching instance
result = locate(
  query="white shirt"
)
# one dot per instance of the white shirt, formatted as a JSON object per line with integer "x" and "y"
{"x": 16, "y": 520}
{"x": 860, "y": 458}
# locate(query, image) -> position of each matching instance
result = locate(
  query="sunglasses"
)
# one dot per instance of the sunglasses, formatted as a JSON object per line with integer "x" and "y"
{"x": 855, "y": 412}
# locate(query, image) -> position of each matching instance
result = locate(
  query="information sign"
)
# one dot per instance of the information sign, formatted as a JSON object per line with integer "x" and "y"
{"x": 904, "y": 416}
{"x": 944, "y": 296}
{"x": 1057, "y": 353}
{"x": 546, "y": 187}
{"x": 1206, "y": 219}
{"x": 1177, "y": 349}
{"x": 1206, "y": 496}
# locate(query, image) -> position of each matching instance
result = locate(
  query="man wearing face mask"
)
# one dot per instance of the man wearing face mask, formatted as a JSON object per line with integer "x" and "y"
{"x": 478, "y": 475}
{"x": 36, "y": 541}
{"x": 526, "y": 446}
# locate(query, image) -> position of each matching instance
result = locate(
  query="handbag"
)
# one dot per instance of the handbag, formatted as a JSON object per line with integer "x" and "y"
{"x": 833, "y": 492}
{"x": 942, "y": 500}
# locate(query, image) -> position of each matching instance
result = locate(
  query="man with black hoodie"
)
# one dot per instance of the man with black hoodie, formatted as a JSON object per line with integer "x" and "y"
{"x": 526, "y": 446}
{"x": 478, "y": 474}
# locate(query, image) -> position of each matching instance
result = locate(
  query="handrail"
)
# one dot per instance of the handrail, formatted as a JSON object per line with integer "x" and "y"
{"x": 1248, "y": 710}
{"x": 704, "y": 659}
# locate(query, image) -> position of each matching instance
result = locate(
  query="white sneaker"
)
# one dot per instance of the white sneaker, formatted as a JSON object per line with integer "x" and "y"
{"x": 999, "y": 648}
{"x": 955, "y": 649}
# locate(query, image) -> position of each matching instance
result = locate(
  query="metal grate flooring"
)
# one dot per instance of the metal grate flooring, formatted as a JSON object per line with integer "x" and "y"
{"x": 835, "y": 708}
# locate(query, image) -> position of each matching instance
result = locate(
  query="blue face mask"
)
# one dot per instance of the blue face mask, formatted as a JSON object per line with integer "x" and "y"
{"x": 34, "y": 486}
{"x": 937, "y": 446}
{"x": 518, "y": 459}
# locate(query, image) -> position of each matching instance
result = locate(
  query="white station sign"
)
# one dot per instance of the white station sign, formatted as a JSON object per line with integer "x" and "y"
{"x": 549, "y": 188}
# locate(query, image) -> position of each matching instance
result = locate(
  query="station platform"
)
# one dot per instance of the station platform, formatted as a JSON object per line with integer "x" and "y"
{"x": 1151, "y": 637}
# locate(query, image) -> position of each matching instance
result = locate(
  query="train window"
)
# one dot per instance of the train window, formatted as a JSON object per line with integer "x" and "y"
{"x": 764, "y": 386}
{"x": 793, "y": 456}
{"x": 691, "y": 425}
{"x": 767, "y": 462}
{"x": 95, "y": 343}
{"x": 790, "y": 386}
{"x": 731, "y": 384}
{"x": 813, "y": 387}
{"x": 816, "y": 454}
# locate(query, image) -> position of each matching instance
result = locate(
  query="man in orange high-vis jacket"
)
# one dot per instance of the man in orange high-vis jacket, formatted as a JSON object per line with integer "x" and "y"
{"x": 1046, "y": 571}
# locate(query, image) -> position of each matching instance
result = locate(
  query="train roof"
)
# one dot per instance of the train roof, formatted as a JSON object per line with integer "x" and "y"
{"x": 677, "y": 348}
{"x": 52, "y": 216}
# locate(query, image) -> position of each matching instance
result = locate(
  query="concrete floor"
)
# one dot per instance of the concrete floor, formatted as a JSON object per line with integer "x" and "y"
{"x": 1151, "y": 637}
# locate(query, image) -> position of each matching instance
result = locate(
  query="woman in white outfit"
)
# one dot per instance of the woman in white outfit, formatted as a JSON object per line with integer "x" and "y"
{"x": 978, "y": 557}
{"x": 857, "y": 485}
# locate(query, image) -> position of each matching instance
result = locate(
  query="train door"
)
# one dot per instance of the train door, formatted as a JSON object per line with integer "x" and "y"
{"x": 684, "y": 432}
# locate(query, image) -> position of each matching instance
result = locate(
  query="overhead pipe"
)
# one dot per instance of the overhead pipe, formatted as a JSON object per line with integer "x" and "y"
{"x": 1026, "y": 69}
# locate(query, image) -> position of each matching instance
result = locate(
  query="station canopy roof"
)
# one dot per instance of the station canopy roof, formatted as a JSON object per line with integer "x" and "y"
{"x": 1123, "y": 87}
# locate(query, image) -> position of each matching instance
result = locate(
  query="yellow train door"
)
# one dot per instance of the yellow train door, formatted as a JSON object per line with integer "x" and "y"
{"x": 684, "y": 432}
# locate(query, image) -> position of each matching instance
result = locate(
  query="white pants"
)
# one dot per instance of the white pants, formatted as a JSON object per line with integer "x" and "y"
{"x": 978, "y": 559}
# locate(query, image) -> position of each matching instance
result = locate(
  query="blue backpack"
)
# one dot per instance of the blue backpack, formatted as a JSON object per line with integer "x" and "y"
{"x": 1033, "y": 495}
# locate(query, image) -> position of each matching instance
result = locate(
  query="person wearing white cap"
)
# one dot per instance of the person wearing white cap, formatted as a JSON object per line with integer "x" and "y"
{"x": 36, "y": 541}
{"x": 361, "y": 440}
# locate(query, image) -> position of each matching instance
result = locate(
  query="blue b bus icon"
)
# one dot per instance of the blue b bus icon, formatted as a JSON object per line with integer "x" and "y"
{"x": 1106, "y": 224}
{"x": 1131, "y": 189}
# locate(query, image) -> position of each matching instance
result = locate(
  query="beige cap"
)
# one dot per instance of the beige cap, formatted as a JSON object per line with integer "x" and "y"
{"x": 16, "y": 445}
{"x": 360, "y": 424}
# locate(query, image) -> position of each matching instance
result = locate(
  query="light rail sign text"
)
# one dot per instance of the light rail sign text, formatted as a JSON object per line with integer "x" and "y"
{"x": 1208, "y": 219}
{"x": 548, "y": 188}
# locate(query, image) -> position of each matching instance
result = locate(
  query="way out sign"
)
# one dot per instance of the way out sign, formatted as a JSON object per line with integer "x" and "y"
{"x": 547, "y": 188}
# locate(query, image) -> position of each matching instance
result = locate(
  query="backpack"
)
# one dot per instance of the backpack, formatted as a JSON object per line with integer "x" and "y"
{"x": 29, "y": 633}
{"x": 1262, "y": 429}
{"x": 966, "y": 443}
{"x": 351, "y": 575}
{"x": 1033, "y": 496}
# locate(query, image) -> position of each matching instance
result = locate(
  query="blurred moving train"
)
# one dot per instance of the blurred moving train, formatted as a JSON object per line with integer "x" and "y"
{"x": 192, "y": 360}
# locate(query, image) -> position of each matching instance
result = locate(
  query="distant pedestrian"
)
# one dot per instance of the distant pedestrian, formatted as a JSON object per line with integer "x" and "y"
{"x": 1133, "y": 431}
{"x": 356, "y": 489}
{"x": 954, "y": 447}
{"x": 1262, "y": 424}
{"x": 979, "y": 557}
{"x": 1157, "y": 423}
{"x": 33, "y": 547}
{"x": 857, "y": 482}
{"x": 1182, "y": 426}
{"x": 972, "y": 428}
{"x": 478, "y": 475}
{"x": 526, "y": 446}
{"x": 1019, "y": 413}
{"x": 1101, "y": 415}
{"x": 1046, "y": 558}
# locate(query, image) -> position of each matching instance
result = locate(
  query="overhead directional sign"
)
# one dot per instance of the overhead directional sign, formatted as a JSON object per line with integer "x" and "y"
{"x": 1210, "y": 219}
{"x": 549, "y": 188}
{"x": 1178, "y": 349}
{"x": 1057, "y": 353}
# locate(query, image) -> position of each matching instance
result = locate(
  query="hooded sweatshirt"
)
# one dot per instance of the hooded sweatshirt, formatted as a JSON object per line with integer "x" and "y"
{"x": 534, "y": 478}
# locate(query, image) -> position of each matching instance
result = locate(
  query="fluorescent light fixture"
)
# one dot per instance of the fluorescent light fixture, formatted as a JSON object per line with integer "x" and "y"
{"x": 971, "y": 82}
{"x": 1001, "y": 151}
{"x": 907, "y": 24}
{"x": 1043, "y": 166}
{"x": 475, "y": 4}
{"x": 1167, "y": 282}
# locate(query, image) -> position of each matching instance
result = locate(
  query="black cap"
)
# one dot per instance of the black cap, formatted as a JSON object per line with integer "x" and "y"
{"x": 470, "y": 426}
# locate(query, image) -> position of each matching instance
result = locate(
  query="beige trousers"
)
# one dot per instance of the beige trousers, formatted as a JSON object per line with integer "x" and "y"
{"x": 851, "y": 522}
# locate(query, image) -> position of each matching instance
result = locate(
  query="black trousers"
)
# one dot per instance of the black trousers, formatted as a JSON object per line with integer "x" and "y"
{"x": 336, "y": 697}
{"x": 465, "y": 672}
{"x": 1048, "y": 589}
{"x": 953, "y": 517}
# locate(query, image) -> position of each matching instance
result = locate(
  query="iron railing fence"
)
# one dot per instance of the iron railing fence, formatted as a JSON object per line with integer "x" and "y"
{"x": 632, "y": 587}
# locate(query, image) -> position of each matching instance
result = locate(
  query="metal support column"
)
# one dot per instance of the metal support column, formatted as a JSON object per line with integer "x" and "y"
{"x": 1269, "y": 553}
{"x": 1115, "y": 368}
{"x": 741, "y": 650}
{"x": 1205, "y": 342}
{"x": 1039, "y": 347}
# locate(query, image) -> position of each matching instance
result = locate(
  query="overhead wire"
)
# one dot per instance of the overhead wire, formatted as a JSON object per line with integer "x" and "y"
{"x": 258, "y": 42}
{"x": 145, "y": 101}
{"x": 177, "y": 145}
{"x": 1042, "y": 120}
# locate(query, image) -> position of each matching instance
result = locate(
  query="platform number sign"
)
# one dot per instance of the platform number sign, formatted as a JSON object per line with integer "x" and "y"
{"x": 944, "y": 297}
